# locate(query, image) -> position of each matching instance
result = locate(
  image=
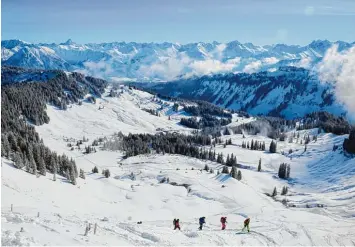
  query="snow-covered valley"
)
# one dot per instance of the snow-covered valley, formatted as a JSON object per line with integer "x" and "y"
{"x": 321, "y": 196}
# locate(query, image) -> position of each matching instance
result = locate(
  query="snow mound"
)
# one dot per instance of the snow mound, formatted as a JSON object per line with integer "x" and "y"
{"x": 9, "y": 238}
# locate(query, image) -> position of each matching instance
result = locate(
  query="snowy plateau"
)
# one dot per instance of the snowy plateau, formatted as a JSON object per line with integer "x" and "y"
{"x": 53, "y": 213}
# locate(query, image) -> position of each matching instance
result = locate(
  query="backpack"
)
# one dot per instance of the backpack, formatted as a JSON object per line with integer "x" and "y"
{"x": 246, "y": 221}
{"x": 223, "y": 219}
{"x": 202, "y": 220}
{"x": 174, "y": 222}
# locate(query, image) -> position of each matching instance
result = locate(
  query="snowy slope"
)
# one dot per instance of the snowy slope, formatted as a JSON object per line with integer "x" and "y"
{"x": 110, "y": 115}
{"x": 161, "y": 61}
{"x": 319, "y": 175}
{"x": 290, "y": 92}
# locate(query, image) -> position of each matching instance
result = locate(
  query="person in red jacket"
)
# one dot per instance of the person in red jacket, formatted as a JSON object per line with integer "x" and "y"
{"x": 176, "y": 224}
{"x": 246, "y": 224}
{"x": 223, "y": 221}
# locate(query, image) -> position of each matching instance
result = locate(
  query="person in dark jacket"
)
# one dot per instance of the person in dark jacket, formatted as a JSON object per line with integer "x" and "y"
{"x": 201, "y": 222}
{"x": 246, "y": 224}
{"x": 223, "y": 221}
{"x": 176, "y": 224}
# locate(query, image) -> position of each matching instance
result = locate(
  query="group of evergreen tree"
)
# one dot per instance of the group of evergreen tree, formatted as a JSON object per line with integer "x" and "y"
{"x": 273, "y": 127}
{"x": 26, "y": 102}
{"x": 173, "y": 143}
{"x": 284, "y": 171}
{"x": 106, "y": 173}
{"x": 207, "y": 109}
{"x": 205, "y": 121}
{"x": 90, "y": 149}
{"x": 284, "y": 190}
{"x": 254, "y": 145}
{"x": 231, "y": 160}
{"x": 226, "y": 132}
{"x": 282, "y": 137}
{"x": 211, "y": 116}
{"x": 220, "y": 159}
{"x": 228, "y": 142}
{"x": 152, "y": 111}
{"x": 234, "y": 173}
{"x": 273, "y": 147}
{"x": 325, "y": 121}
{"x": 35, "y": 158}
{"x": 175, "y": 107}
{"x": 307, "y": 140}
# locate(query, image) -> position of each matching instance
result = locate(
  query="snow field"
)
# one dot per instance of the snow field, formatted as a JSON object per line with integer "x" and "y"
{"x": 319, "y": 175}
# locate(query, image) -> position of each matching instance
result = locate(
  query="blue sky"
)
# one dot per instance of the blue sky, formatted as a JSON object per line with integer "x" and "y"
{"x": 183, "y": 21}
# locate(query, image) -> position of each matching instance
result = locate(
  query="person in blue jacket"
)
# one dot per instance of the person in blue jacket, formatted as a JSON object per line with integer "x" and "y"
{"x": 201, "y": 221}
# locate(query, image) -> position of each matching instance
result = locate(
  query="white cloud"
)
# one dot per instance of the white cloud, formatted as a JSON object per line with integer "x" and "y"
{"x": 309, "y": 10}
{"x": 304, "y": 63}
{"x": 218, "y": 51}
{"x": 172, "y": 67}
{"x": 270, "y": 60}
{"x": 338, "y": 68}
{"x": 252, "y": 67}
{"x": 100, "y": 69}
{"x": 212, "y": 66}
{"x": 167, "y": 69}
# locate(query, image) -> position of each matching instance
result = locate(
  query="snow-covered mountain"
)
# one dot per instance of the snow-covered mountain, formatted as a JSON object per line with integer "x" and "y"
{"x": 290, "y": 92}
{"x": 161, "y": 61}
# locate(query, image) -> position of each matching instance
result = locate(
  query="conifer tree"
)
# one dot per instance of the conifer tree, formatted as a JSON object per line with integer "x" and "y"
{"x": 5, "y": 146}
{"x": 54, "y": 172}
{"x": 41, "y": 166}
{"x": 273, "y": 147}
{"x": 259, "y": 166}
{"x": 225, "y": 170}
{"x": 284, "y": 171}
{"x": 239, "y": 175}
{"x": 233, "y": 172}
{"x": 82, "y": 174}
{"x": 274, "y": 193}
{"x": 233, "y": 160}
{"x": 95, "y": 170}
{"x": 106, "y": 173}
{"x": 284, "y": 190}
{"x": 16, "y": 157}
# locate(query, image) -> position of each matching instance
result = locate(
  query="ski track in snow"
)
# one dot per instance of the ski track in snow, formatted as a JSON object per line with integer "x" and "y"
{"x": 65, "y": 210}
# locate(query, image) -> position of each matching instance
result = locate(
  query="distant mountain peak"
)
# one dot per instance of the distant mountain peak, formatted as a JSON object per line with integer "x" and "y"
{"x": 68, "y": 42}
{"x": 11, "y": 43}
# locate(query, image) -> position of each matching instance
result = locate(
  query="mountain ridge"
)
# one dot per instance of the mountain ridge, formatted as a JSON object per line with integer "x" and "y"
{"x": 165, "y": 61}
{"x": 289, "y": 92}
